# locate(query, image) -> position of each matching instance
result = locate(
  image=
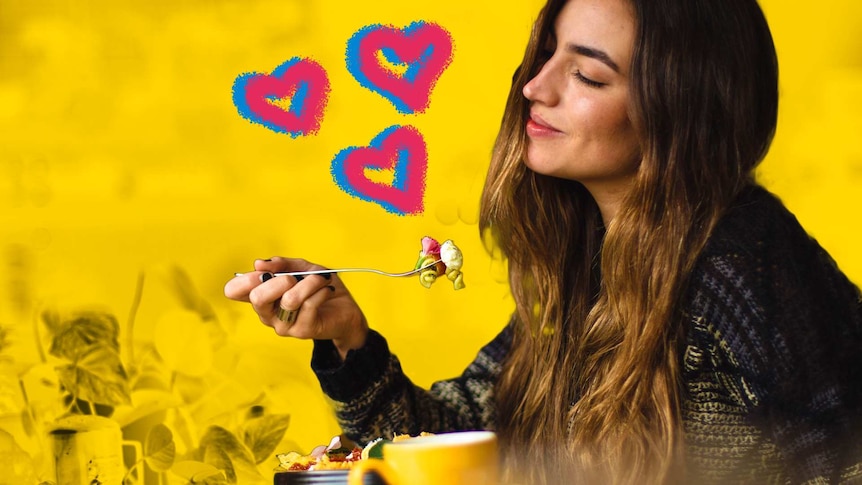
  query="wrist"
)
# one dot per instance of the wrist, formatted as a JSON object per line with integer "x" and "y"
{"x": 354, "y": 340}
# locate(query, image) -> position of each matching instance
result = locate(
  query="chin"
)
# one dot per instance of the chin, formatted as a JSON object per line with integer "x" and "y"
{"x": 541, "y": 166}
{"x": 535, "y": 163}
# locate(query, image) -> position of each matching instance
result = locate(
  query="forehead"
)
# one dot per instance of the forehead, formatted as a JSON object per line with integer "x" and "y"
{"x": 608, "y": 25}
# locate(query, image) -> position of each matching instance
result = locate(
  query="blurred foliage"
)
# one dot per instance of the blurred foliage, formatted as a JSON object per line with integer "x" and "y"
{"x": 152, "y": 390}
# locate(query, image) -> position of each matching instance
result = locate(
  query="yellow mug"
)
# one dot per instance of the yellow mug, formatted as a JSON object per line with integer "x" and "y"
{"x": 460, "y": 458}
{"x": 88, "y": 449}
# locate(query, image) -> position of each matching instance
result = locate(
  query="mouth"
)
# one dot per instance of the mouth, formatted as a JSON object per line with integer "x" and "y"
{"x": 538, "y": 127}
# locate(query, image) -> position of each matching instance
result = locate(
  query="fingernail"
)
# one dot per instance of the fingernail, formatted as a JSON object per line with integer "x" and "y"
{"x": 331, "y": 288}
{"x": 267, "y": 260}
{"x": 264, "y": 277}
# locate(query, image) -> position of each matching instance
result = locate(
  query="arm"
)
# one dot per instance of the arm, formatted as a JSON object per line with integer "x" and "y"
{"x": 371, "y": 395}
{"x": 373, "y": 398}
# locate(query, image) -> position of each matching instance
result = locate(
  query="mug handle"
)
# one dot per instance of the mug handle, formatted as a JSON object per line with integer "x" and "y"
{"x": 362, "y": 467}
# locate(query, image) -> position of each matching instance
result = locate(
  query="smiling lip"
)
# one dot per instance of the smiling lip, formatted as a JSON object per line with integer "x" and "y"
{"x": 539, "y": 128}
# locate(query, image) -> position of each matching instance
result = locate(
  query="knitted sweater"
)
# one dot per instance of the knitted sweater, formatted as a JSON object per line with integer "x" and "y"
{"x": 772, "y": 363}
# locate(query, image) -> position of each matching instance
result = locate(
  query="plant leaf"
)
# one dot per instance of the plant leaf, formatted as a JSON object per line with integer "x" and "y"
{"x": 4, "y": 338}
{"x": 191, "y": 299}
{"x": 262, "y": 435}
{"x": 160, "y": 449}
{"x": 97, "y": 376}
{"x": 198, "y": 472}
{"x": 223, "y": 450}
{"x": 148, "y": 371}
{"x": 188, "y": 295}
{"x": 51, "y": 319}
{"x": 220, "y": 459}
{"x": 145, "y": 402}
{"x": 27, "y": 423}
{"x": 83, "y": 330}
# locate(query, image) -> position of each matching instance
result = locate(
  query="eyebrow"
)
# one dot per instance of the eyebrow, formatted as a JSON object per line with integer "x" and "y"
{"x": 597, "y": 54}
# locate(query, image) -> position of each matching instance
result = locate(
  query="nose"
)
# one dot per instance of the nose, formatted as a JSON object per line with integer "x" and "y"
{"x": 542, "y": 87}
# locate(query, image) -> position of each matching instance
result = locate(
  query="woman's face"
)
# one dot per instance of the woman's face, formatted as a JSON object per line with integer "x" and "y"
{"x": 579, "y": 127}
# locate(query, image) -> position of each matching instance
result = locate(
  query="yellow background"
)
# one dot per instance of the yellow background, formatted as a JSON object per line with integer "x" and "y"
{"x": 123, "y": 154}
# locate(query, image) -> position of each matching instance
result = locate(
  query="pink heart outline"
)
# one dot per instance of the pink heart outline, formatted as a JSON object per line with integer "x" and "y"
{"x": 398, "y": 148}
{"x": 301, "y": 79}
{"x": 425, "y": 47}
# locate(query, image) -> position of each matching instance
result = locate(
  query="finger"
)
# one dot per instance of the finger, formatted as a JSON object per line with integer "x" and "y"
{"x": 320, "y": 297}
{"x": 284, "y": 321}
{"x": 265, "y": 296}
{"x": 302, "y": 291}
{"x": 307, "y": 322}
{"x": 287, "y": 316}
{"x": 239, "y": 287}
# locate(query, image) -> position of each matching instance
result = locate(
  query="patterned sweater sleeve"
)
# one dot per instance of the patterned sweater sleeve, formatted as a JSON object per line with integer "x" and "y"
{"x": 373, "y": 398}
{"x": 790, "y": 323}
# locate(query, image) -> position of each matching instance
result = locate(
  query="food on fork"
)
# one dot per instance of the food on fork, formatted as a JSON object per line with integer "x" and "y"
{"x": 448, "y": 259}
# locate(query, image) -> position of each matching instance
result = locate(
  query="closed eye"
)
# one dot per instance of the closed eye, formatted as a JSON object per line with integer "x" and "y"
{"x": 589, "y": 82}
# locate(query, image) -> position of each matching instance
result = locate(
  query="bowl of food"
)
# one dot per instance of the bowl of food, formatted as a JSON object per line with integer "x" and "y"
{"x": 326, "y": 464}
{"x": 330, "y": 464}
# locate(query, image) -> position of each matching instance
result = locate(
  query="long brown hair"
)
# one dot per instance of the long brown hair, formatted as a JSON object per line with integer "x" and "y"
{"x": 591, "y": 386}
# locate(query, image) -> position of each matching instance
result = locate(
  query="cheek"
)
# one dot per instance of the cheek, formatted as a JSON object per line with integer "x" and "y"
{"x": 628, "y": 138}
{"x": 619, "y": 130}
{"x": 598, "y": 119}
{"x": 614, "y": 134}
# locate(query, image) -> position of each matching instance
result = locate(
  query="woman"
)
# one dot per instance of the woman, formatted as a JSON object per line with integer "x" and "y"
{"x": 676, "y": 324}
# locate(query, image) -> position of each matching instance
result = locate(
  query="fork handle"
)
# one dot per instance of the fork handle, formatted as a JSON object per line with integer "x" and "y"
{"x": 305, "y": 273}
{"x": 320, "y": 271}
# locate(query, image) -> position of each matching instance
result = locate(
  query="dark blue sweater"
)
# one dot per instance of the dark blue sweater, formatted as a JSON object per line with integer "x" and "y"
{"x": 772, "y": 363}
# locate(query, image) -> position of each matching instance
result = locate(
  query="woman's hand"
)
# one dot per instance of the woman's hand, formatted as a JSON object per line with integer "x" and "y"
{"x": 307, "y": 307}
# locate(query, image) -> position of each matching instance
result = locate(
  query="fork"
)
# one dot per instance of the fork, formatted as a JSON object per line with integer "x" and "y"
{"x": 353, "y": 270}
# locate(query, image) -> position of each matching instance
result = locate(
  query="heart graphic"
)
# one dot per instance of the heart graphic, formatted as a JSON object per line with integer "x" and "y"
{"x": 400, "y": 149}
{"x": 260, "y": 98}
{"x": 376, "y": 55}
